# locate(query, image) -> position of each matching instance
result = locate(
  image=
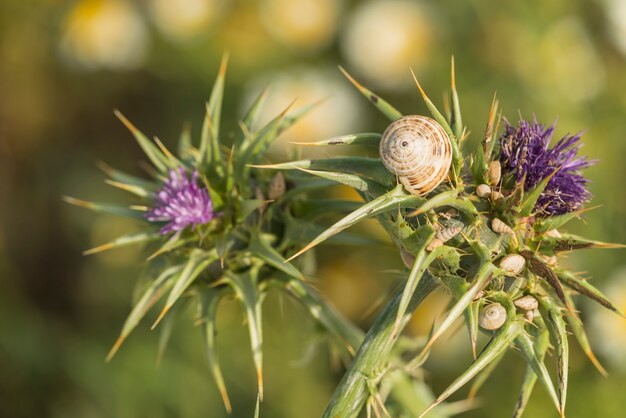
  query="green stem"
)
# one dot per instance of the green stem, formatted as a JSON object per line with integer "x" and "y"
{"x": 373, "y": 354}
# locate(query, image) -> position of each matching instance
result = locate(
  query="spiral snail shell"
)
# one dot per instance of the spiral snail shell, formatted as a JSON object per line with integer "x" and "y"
{"x": 418, "y": 151}
{"x": 492, "y": 317}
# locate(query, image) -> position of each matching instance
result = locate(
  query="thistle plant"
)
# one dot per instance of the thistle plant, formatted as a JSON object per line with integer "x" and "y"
{"x": 219, "y": 228}
{"x": 489, "y": 231}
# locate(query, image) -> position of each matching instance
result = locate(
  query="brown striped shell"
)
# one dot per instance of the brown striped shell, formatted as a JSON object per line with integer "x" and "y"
{"x": 418, "y": 151}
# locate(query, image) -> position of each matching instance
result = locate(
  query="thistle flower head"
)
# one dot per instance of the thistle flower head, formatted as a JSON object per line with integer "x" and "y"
{"x": 525, "y": 155}
{"x": 181, "y": 203}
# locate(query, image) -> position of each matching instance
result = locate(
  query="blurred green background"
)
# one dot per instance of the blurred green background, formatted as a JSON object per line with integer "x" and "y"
{"x": 65, "y": 65}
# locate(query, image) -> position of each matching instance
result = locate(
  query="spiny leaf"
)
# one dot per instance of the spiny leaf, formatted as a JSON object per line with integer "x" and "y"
{"x": 149, "y": 297}
{"x": 165, "y": 331}
{"x": 209, "y": 141}
{"x": 175, "y": 241}
{"x": 484, "y": 375}
{"x": 160, "y": 161}
{"x": 368, "y": 139}
{"x": 493, "y": 350}
{"x": 482, "y": 277}
{"x": 492, "y": 129}
{"x": 530, "y": 377}
{"x": 422, "y": 261}
{"x": 455, "y": 121}
{"x": 198, "y": 261}
{"x": 585, "y": 288}
{"x": 394, "y": 199}
{"x": 371, "y": 168}
{"x": 554, "y": 222}
{"x": 260, "y": 248}
{"x": 134, "y": 212}
{"x": 530, "y": 199}
{"x": 581, "y": 336}
{"x": 384, "y": 107}
{"x": 136, "y": 190}
{"x": 457, "y": 158}
{"x": 553, "y": 318}
{"x": 249, "y": 118}
{"x": 447, "y": 198}
{"x": 184, "y": 142}
{"x": 458, "y": 286}
{"x": 298, "y": 231}
{"x": 128, "y": 239}
{"x": 121, "y": 177}
{"x": 525, "y": 345}
{"x": 173, "y": 161}
{"x": 569, "y": 242}
{"x": 208, "y": 301}
{"x": 245, "y": 287}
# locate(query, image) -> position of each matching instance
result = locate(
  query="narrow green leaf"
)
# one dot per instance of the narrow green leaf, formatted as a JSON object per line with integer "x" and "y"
{"x": 581, "y": 336}
{"x": 245, "y": 287}
{"x": 209, "y": 141}
{"x": 175, "y": 241}
{"x": 530, "y": 377}
{"x": 482, "y": 277}
{"x": 121, "y": 177}
{"x": 384, "y": 107}
{"x": 371, "y": 168}
{"x": 208, "y": 301}
{"x": 394, "y": 199}
{"x": 184, "y": 142}
{"x": 549, "y": 223}
{"x": 198, "y": 261}
{"x": 298, "y": 231}
{"x": 553, "y": 318}
{"x": 125, "y": 240}
{"x": 149, "y": 297}
{"x": 456, "y": 121}
{"x": 525, "y": 345}
{"x": 484, "y": 375}
{"x": 165, "y": 331}
{"x": 249, "y": 119}
{"x": 527, "y": 205}
{"x": 569, "y": 242}
{"x": 422, "y": 261}
{"x": 587, "y": 289}
{"x": 447, "y": 198}
{"x": 479, "y": 166}
{"x": 134, "y": 212}
{"x": 498, "y": 345}
{"x": 160, "y": 161}
{"x": 363, "y": 139}
{"x": 457, "y": 158}
{"x": 263, "y": 250}
{"x": 372, "y": 187}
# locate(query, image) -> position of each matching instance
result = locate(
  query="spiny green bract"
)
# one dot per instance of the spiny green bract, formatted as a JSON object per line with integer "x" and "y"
{"x": 468, "y": 264}
{"x": 256, "y": 220}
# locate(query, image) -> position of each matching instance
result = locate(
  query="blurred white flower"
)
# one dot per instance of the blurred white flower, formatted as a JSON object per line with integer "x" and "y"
{"x": 616, "y": 14}
{"x": 384, "y": 38}
{"x": 181, "y": 20}
{"x": 609, "y": 329}
{"x": 340, "y": 114}
{"x": 562, "y": 63}
{"x": 305, "y": 25}
{"x": 104, "y": 34}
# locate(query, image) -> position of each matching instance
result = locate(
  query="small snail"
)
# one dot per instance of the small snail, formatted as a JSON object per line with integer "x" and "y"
{"x": 447, "y": 233}
{"x": 483, "y": 190}
{"x": 513, "y": 263}
{"x": 418, "y": 151}
{"x": 492, "y": 317}
{"x": 496, "y": 195}
{"x": 494, "y": 172}
{"x": 500, "y": 227}
{"x": 526, "y": 303}
{"x": 407, "y": 258}
{"x": 435, "y": 243}
{"x": 277, "y": 186}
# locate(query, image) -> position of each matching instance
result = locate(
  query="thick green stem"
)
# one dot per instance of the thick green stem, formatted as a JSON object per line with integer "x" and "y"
{"x": 373, "y": 355}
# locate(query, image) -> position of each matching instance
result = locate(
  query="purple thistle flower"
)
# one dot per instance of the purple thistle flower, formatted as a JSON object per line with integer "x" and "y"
{"x": 181, "y": 202}
{"x": 525, "y": 154}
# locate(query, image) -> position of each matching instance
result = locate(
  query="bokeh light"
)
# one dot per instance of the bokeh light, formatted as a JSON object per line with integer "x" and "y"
{"x": 182, "y": 20}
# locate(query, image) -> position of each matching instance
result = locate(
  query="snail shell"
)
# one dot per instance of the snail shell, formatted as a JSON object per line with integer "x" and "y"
{"x": 448, "y": 233}
{"x": 513, "y": 263}
{"x": 494, "y": 172}
{"x": 418, "y": 151}
{"x": 500, "y": 227}
{"x": 258, "y": 195}
{"x": 496, "y": 195}
{"x": 529, "y": 315}
{"x": 435, "y": 243}
{"x": 492, "y": 316}
{"x": 554, "y": 233}
{"x": 277, "y": 186}
{"x": 526, "y": 303}
{"x": 483, "y": 190}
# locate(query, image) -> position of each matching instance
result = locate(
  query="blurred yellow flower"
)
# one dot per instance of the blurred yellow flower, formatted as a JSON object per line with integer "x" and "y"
{"x": 562, "y": 63}
{"x": 609, "y": 329}
{"x": 104, "y": 34}
{"x": 616, "y": 14}
{"x": 340, "y": 114}
{"x": 384, "y": 38}
{"x": 181, "y": 20}
{"x": 304, "y": 25}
